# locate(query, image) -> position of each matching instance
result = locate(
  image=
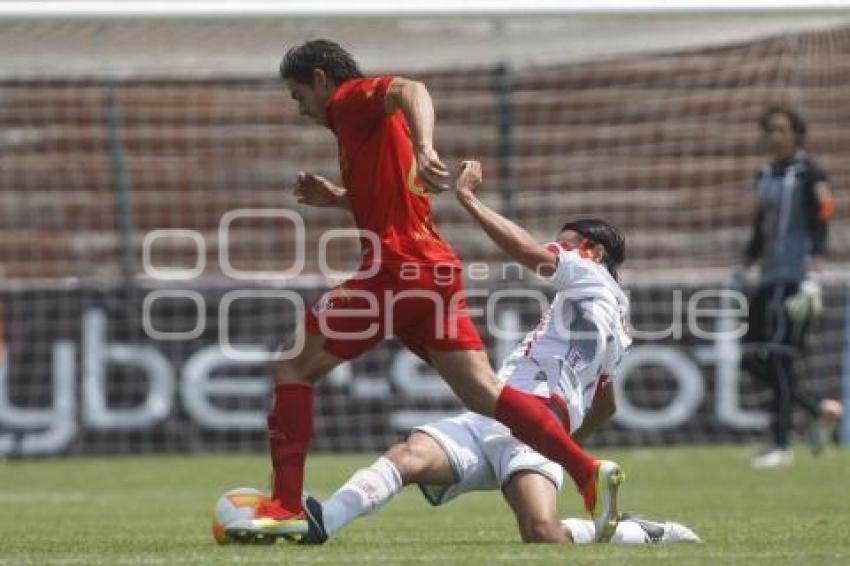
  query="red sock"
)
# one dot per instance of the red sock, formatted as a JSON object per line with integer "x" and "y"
{"x": 290, "y": 429}
{"x": 531, "y": 421}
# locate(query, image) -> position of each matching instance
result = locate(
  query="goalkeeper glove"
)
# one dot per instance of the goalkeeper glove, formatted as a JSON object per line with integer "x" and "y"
{"x": 806, "y": 302}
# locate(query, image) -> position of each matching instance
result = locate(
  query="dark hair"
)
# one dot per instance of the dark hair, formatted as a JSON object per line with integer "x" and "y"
{"x": 798, "y": 123}
{"x": 337, "y": 63}
{"x": 600, "y": 232}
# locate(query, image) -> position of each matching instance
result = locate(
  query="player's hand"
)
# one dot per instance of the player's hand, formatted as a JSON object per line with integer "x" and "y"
{"x": 469, "y": 178}
{"x": 806, "y": 302}
{"x": 432, "y": 172}
{"x": 315, "y": 190}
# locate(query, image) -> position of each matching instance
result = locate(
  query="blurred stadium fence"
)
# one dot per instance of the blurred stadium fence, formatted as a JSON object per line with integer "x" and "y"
{"x": 102, "y": 171}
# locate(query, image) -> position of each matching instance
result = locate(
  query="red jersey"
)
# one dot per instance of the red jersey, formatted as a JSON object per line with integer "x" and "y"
{"x": 379, "y": 171}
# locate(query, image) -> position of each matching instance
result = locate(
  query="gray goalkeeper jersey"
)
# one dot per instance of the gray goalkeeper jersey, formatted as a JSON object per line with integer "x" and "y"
{"x": 787, "y": 227}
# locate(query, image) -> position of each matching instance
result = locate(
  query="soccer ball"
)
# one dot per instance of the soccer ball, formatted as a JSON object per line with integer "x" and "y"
{"x": 237, "y": 504}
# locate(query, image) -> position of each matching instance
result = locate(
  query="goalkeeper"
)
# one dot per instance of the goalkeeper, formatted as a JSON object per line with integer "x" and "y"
{"x": 789, "y": 240}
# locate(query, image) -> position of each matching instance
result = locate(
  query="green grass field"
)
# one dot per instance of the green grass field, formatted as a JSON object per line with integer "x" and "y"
{"x": 155, "y": 510}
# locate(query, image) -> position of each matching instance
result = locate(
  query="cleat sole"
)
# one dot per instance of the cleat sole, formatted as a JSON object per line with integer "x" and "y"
{"x": 241, "y": 536}
{"x": 616, "y": 479}
{"x": 265, "y": 531}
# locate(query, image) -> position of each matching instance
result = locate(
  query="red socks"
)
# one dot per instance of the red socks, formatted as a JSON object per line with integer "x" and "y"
{"x": 290, "y": 429}
{"x": 531, "y": 421}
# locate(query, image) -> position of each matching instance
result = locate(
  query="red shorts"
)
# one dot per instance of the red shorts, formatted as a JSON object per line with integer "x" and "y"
{"x": 423, "y": 310}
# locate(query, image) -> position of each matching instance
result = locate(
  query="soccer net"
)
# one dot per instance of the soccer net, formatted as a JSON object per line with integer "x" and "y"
{"x": 150, "y": 249}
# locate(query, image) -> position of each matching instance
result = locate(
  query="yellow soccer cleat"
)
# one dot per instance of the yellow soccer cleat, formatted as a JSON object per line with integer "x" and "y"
{"x": 601, "y": 498}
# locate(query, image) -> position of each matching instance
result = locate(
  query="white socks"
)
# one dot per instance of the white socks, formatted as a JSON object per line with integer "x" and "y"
{"x": 583, "y": 531}
{"x": 364, "y": 492}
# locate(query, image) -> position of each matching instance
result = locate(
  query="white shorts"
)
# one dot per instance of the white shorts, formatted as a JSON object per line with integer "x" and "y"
{"x": 484, "y": 456}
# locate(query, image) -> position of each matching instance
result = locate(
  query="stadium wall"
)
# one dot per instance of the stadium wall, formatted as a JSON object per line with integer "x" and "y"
{"x": 82, "y": 374}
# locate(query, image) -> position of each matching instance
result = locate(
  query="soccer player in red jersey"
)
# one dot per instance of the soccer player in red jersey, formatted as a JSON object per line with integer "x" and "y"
{"x": 384, "y": 127}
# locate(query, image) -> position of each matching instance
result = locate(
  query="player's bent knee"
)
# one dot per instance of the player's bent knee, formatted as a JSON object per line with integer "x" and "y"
{"x": 420, "y": 459}
{"x": 541, "y": 531}
{"x": 411, "y": 464}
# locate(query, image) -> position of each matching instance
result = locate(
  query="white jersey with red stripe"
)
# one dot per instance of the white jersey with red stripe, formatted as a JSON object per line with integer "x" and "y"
{"x": 580, "y": 339}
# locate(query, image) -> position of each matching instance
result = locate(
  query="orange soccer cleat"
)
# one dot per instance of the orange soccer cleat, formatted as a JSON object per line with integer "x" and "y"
{"x": 269, "y": 522}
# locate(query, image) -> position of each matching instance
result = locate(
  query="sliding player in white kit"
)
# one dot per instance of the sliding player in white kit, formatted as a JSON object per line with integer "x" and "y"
{"x": 568, "y": 359}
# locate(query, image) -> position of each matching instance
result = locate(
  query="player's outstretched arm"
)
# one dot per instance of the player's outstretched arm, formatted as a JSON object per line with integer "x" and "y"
{"x": 508, "y": 235}
{"x": 315, "y": 190}
{"x": 415, "y": 102}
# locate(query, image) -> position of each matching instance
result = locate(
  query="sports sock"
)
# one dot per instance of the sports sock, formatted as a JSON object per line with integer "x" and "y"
{"x": 365, "y": 492}
{"x": 583, "y": 532}
{"x": 531, "y": 421}
{"x": 290, "y": 428}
